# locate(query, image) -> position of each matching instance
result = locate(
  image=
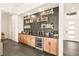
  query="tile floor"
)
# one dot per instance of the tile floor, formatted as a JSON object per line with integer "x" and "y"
{"x": 11, "y": 48}
{"x": 71, "y": 48}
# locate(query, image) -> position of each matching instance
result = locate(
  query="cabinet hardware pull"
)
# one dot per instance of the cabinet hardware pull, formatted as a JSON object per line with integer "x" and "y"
{"x": 49, "y": 43}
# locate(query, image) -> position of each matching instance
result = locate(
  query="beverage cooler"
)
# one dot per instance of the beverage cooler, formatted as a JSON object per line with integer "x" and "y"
{"x": 39, "y": 43}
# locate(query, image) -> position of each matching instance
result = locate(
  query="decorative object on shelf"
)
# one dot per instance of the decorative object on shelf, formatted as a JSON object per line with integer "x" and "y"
{"x": 27, "y": 26}
{"x": 51, "y": 34}
{"x": 55, "y": 34}
{"x": 33, "y": 16}
{"x": 47, "y": 34}
{"x": 47, "y": 12}
{"x": 51, "y": 11}
{"x": 38, "y": 19}
{"x": 41, "y": 23}
{"x": 31, "y": 21}
{"x": 22, "y": 32}
{"x": 44, "y": 18}
{"x": 44, "y": 14}
{"x": 28, "y": 19}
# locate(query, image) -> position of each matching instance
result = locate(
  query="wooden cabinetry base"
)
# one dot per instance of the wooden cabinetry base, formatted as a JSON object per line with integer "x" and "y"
{"x": 50, "y": 44}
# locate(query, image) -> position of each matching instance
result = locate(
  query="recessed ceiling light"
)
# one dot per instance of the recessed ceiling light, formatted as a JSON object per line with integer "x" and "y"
{"x": 72, "y": 8}
{"x": 28, "y": 13}
{"x": 33, "y": 16}
{"x": 41, "y": 9}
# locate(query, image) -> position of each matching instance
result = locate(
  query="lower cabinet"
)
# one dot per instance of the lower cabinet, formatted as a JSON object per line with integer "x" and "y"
{"x": 27, "y": 39}
{"x": 22, "y": 38}
{"x": 31, "y": 40}
{"x": 47, "y": 45}
{"x": 54, "y": 47}
{"x": 51, "y": 46}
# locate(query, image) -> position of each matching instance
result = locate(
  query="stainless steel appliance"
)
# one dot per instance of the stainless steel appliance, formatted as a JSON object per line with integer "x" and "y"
{"x": 39, "y": 43}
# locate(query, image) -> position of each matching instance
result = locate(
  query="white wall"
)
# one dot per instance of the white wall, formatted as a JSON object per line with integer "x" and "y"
{"x": 6, "y": 25}
{"x": 20, "y": 23}
{"x": 60, "y": 40}
{"x": 15, "y": 28}
{"x": 0, "y": 25}
{"x": 11, "y": 25}
{"x": 1, "y": 45}
{"x": 67, "y": 9}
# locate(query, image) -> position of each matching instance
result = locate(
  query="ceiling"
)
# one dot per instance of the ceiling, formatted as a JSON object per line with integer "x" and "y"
{"x": 17, "y": 7}
{"x": 20, "y": 8}
{"x": 43, "y": 6}
{"x": 69, "y": 7}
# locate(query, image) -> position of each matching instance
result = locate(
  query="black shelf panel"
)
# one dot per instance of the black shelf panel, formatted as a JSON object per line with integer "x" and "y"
{"x": 36, "y": 26}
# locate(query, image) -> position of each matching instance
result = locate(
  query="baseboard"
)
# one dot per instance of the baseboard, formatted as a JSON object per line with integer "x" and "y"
{"x": 72, "y": 41}
{"x": 2, "y": 55}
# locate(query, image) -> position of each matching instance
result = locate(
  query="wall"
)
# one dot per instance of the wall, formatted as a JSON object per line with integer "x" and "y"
{"x": 61, "y": 29}
{"x": 0, "y": 25}
{"x": 68, "y": 8}
{"x": 6, "y": 25}
{"x": 54, "y": 18}
{"x": 11, "y": 29}
{"x": 20, "y": 23}
{"x": 15, "y": 27}
{"x": 35, "y": 26}
{"x": 1, "y": 45}
{"x": 11, "y": 25}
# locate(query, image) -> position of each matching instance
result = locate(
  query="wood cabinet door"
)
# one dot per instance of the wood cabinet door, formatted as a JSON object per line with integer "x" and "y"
{"x": 21, "y": 38}
{"x": 28, "y": 40}
{"x": 25, "y": 39}
{"x": 47, "y": 45}
{"x": 32, "y": 41}
{"x": 54, "y": 46}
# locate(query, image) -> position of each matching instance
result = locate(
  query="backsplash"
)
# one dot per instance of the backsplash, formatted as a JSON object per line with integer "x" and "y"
{"x": 42, "y": 25}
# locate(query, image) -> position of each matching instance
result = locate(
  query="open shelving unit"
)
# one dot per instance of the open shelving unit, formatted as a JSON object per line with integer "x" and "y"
{"x": 41, "y": 24}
